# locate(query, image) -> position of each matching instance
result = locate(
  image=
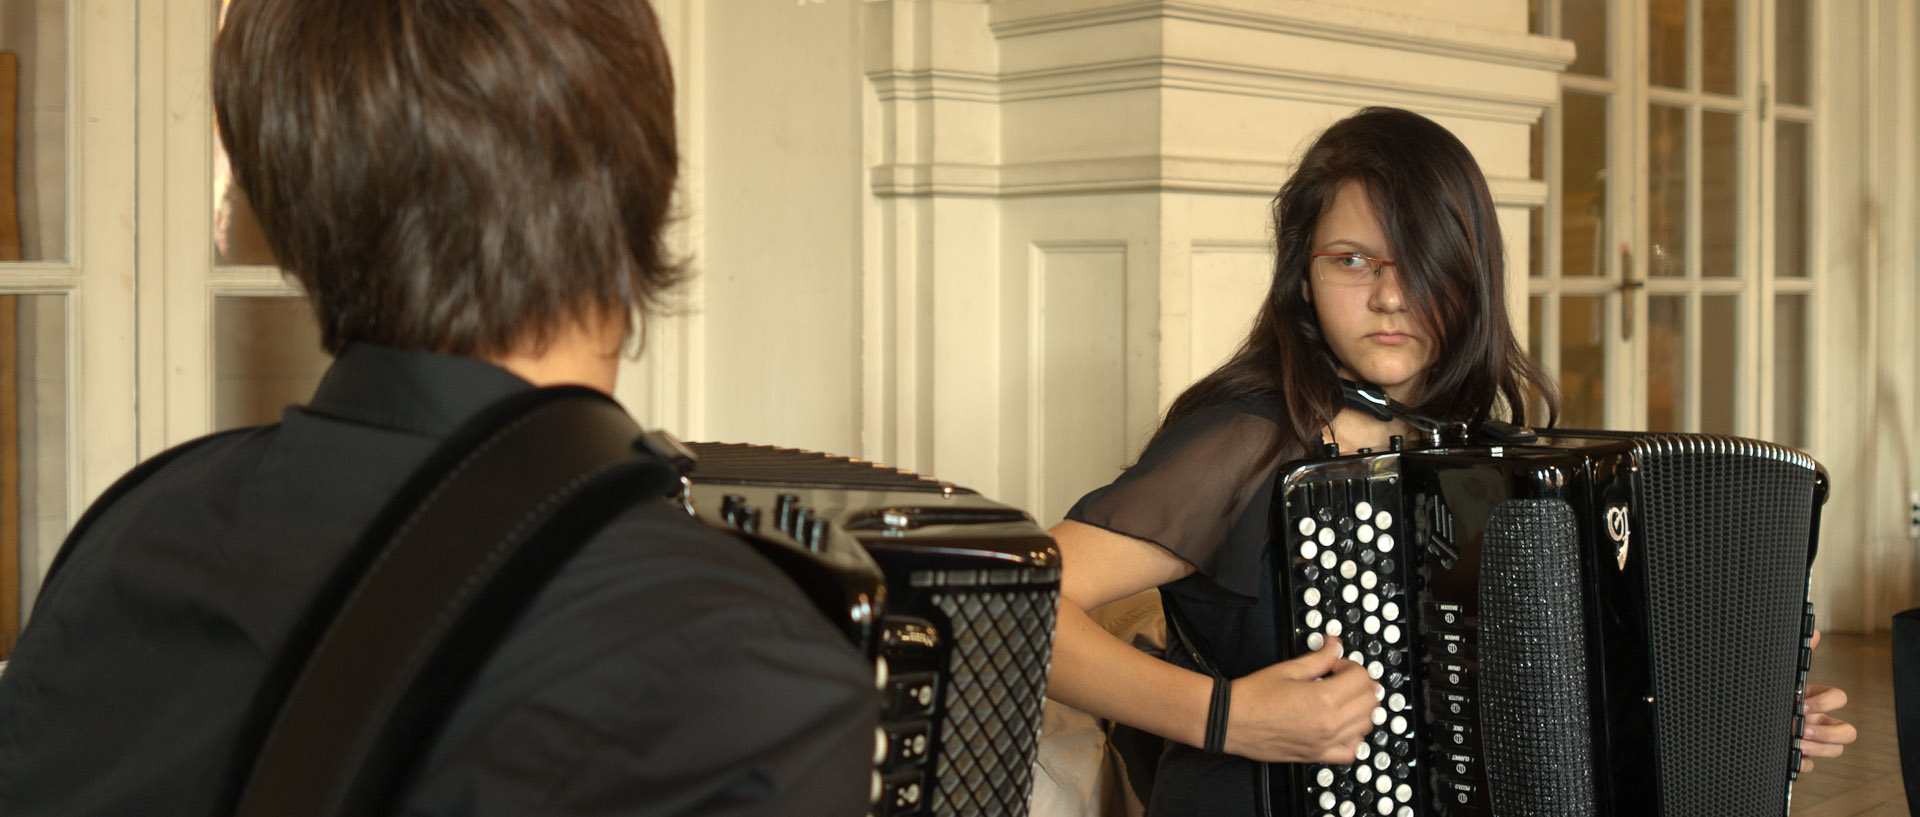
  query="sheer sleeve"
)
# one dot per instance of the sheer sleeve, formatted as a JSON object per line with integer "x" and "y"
{"x": 1200, "y": 491}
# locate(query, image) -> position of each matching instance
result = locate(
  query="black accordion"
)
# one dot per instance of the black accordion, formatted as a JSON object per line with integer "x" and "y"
{"x": 1579, "y": 624}
{"x": 953, "y": 595}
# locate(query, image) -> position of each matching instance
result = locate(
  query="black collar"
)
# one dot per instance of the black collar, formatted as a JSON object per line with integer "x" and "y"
{"x": 414, "y": 391}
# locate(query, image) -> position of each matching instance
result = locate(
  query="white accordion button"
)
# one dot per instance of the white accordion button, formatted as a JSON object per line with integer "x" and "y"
{"x": 1361, "y": 754}
{"x": 1369, "y": 580}
{"x": 1324, "y": 777}
{"x": 1393, "y": 634}
{"x": 1333, "y": 628}
{"x": 1311, "y": 596}
{"x": 1364, "y": 534}
{"x": 1307, "y": 526}
{"x": 1385, "y": 543}
{"x": 1383, "y": 521}
{"x": 1400, "y": 724}
{"x": 1372, "y": 625}
{"x": 1390, "y": 611}
{"x": 1326, "y": 799}
{"x": 1348, "y": 569}
{"x": 1363, "y": 510}
{"x": 1362, "y": 772}
{"x": 1403, "y": 793}
{"x": 1308, "y": 550}
{"x": 1396, "y": 702}
{"x": 1346, "y": 808}
{"x": 1329, "y": 559}
{"x": 1349, "y": 593}
{"x": 1382, "y": 761}
{"x": 1383, "y": 784}
{"x": 1370, "y": 602}
{"x": 1379, "y": 716}
{"x": 1326, "y": 536}
{"x": 1313, "y": 619}
{"x": 1315, "y": 640}
{"x": 1375, "y": 670}
{"x": 1383, "y": 805}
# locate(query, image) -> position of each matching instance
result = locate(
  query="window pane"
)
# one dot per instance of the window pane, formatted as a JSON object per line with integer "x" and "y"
{"x": 33, "y": 449}
{"x": 1720, "y": 46}
{"x": 1719, "y": 193}
{"x": 33, "y": 153}
{"x": 1667, "y": 189}
{"x": 1666, "y": 42}
{"x": 1719, "y": 361}
{"x": 236, "y": 233}
{"x": 266, "y": 356}
{"x": 1583, "y": 361}
{"x": 1790, "y": 200}
{"x": 1585, "y": 23}
{"x": 1794, "y": 75}
{"x": 1790, "y": 375}
{"x": 1666, "y": 362}
{"x": 1583, "y": 184}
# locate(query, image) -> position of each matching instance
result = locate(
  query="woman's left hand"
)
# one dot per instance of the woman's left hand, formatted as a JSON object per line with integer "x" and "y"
{"x": 1826, "y": 735}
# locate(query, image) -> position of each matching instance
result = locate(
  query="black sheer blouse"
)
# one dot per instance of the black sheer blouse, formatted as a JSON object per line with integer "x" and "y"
{"x": 1203, "y": 491}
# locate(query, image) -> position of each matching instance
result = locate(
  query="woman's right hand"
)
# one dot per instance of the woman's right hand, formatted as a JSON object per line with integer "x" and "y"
{"x": 1312, "y": 709}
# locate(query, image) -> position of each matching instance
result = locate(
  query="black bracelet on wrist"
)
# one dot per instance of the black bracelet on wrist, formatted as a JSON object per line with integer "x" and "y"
{"x": 1217, "y": 715}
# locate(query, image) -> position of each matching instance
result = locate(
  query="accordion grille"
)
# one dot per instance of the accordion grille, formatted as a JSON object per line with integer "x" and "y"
{"x": 1727, "y": 566}
{"x": 1533, "y": 663}
{"x": 993, "y": 699}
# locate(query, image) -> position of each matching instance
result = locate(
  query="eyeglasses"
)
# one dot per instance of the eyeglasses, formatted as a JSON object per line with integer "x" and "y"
{"x": 1349, "y": 268}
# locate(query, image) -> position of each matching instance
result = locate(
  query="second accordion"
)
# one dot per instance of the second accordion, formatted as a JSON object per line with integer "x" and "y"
{"x": 1580, "y": 624}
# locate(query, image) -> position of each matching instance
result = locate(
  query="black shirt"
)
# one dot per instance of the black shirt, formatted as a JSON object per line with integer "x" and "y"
{"x": 667, "y": 669}
{"x": 1202, "y": 490}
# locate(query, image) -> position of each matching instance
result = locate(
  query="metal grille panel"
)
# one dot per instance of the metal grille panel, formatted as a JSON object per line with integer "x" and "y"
{"x": 998, "y": 675}
{"x": 1727, "y": 562}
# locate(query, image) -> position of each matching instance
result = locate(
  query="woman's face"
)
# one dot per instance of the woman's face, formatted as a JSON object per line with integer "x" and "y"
{"x": 1368, "y": 323}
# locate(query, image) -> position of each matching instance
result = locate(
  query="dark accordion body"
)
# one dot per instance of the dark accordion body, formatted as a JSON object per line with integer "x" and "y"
{"x": 952, "y": 594}
{"x": 1586, "y": 624}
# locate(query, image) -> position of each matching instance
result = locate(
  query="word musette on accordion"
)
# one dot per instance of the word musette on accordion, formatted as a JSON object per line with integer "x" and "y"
{"x": 951, "y": 594}
{"x": 1576, "y": 624}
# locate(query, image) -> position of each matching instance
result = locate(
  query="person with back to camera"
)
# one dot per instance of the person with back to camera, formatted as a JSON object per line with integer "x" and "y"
{"x": 472, "y": 196}
{"x": 1389, "y": 270}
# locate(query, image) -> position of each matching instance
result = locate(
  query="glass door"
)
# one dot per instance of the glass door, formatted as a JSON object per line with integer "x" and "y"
{"x": 1672, "y": 290}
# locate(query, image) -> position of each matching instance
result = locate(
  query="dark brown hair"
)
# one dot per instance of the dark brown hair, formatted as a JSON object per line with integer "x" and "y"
{"x": 1432, "y": 200}
{"x": 462, "y": 177}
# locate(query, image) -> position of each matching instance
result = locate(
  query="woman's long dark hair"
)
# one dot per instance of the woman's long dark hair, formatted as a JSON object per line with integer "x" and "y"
{"x": 1432, "y": 200}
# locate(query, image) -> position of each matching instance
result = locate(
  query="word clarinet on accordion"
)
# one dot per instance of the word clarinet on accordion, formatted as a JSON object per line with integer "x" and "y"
{"x": 1575, "y": 624}
{"x": 951, "y": 594}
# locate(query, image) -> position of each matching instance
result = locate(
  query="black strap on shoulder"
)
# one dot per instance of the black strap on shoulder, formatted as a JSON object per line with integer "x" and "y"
{"x": 446, "y": 567}
{"x": 120, "y": 488}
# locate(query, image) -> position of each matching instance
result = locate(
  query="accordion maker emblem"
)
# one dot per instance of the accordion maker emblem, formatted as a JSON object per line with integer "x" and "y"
{"x": 952, "y": 594}
{"x": 1581, "y": 624}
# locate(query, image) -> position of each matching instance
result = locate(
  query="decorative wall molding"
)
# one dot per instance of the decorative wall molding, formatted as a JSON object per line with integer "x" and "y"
{"x": 1125, "y": 174}
{"x": 1349, "y": 25}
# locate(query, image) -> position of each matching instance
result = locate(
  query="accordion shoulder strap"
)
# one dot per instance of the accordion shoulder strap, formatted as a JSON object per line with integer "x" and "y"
{"x": 448, "y": 564}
